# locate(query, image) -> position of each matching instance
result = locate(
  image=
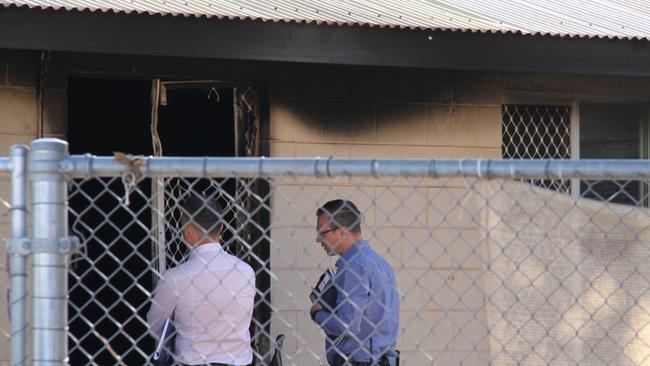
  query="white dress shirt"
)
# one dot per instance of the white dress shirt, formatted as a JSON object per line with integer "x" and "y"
{"x": 212, "y": 295}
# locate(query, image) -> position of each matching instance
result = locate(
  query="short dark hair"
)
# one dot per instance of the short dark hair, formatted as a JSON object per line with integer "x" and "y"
{"x": 342, "y": 213}
{"x": 203, "y": 212}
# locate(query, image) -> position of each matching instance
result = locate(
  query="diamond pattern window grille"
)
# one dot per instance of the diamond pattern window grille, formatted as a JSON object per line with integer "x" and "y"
{"x": 537, "y": 132}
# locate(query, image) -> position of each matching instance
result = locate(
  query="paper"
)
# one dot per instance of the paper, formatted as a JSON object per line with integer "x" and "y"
{"x": 163, "y": 337}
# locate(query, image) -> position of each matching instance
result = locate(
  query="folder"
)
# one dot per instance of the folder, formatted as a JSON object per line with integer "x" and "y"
{"x": 325, "y": 290}
{"x": 165, "y": 347}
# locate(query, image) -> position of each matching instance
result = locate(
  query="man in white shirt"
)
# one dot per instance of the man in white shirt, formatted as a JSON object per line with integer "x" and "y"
{"x": 210, "y": 296}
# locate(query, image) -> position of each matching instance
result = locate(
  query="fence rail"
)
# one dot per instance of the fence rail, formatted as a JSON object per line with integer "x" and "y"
{"x": 489, "y": 267}
{"x": 93, "y": 166}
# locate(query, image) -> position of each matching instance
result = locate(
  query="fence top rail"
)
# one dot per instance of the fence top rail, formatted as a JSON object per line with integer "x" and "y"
{"x": 80, "y": 166}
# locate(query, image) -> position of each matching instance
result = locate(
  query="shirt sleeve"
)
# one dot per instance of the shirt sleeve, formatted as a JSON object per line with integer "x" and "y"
{"x": 353, "y": 298}
{"x": 163, "y": 304}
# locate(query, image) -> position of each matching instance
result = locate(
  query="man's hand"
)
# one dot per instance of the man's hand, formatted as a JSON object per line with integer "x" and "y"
{"x": 315, "y": 306}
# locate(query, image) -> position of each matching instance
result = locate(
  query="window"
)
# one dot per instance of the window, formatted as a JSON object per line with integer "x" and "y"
{"x": 612, "y": 131}
{"x": 537, "y": 132}
{"x": 604, "y": 131}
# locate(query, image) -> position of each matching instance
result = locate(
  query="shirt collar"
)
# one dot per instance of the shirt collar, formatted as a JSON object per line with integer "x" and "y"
{"x": 207, "y": 248}
{"x": 352, "y": 252}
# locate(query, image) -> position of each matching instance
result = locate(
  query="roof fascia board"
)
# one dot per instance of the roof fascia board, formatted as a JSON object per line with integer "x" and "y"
{"x": 133, "y": 34}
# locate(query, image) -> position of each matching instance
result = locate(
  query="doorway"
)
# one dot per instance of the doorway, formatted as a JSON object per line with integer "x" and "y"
{"x": 110, "y": 281}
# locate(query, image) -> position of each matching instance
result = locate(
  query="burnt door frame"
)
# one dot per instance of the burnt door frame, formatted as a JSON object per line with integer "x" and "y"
{"x": 252, "y": 221}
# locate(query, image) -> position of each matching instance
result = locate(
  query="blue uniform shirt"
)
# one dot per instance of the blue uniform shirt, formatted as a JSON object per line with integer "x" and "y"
{"x": 365, "y": 320}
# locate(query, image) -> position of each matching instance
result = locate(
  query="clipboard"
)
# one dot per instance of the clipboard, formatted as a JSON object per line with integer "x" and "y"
{"x": 164, "y": 349}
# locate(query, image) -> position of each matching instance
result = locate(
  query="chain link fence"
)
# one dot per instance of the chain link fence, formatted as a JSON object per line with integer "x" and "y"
{"x": 470, "y": 263}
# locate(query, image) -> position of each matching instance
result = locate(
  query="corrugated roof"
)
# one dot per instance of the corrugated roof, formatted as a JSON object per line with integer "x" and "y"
{"x": 619, "y": 19}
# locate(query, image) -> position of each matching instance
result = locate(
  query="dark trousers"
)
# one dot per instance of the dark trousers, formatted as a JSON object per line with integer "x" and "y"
{"x": 339, "y": 361}
{"x": 384, "y": 361}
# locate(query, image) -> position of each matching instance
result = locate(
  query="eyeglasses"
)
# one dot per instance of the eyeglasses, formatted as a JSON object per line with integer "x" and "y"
{"x": 322, "y": 233}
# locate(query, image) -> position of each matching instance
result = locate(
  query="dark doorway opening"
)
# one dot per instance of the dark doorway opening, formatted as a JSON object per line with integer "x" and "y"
{"x": 111, "y": 280}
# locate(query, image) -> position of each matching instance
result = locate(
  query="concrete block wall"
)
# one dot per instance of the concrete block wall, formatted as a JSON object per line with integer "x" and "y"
{"x": 18, "y": 125}
{"x": 418, "y": 226}
{"x": 425, "y": 230}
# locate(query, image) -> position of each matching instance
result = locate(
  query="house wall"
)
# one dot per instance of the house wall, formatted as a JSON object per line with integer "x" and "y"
{"x": 403, "y": 114}
{"x": 20, "y": 77}
{"x": 18, "y": 125}
{"x": 374, "y": 115}
{"x": 342, "y": 111}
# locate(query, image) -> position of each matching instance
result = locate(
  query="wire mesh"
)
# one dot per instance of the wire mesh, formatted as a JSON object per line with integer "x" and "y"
{"x": 537, "y": 132}
{"x": 485, "y": 271}
{"x": 5, "y": 234}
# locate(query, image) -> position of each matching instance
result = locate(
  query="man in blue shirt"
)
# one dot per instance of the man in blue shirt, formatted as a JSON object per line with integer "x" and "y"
{"x": 362, "y": 325}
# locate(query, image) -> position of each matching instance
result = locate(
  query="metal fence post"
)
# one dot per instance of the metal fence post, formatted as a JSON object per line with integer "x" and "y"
{"x": 50, "y": 248}
{"x": 18, "y": 260}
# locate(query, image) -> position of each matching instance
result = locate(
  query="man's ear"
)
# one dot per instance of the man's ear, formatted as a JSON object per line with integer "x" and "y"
{"x": 345, "y": 232}
{"x": 190, "y": 232}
